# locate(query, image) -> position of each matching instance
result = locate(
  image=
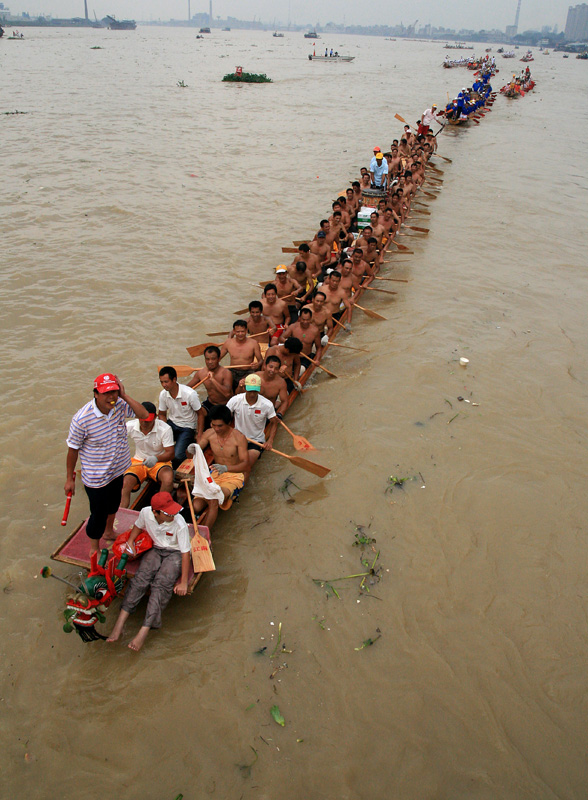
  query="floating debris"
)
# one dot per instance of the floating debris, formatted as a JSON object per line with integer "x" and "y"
{"x": 368, "y": 642}
{"x": 245, "y": 768}
{"x": 182, "y": 85}
{"x": 277, "y": 716}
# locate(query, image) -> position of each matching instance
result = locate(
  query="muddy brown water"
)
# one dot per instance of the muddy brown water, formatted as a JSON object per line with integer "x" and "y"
{"x": 134, "y": 216}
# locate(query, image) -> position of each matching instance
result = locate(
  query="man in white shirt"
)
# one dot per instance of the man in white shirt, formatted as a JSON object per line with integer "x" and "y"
{"x": 179, "y": 406}
{"x": 379, "y": 174}
{"x": 154, "y": 450}
{"x": 160, "y": 568}
{"x": 428, "y": 118}
{"x": 252, "y": 412}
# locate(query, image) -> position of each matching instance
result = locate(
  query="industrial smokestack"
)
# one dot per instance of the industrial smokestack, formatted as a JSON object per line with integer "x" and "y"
{"x": 86, "y": 8}
{"x": 210, "y": 15}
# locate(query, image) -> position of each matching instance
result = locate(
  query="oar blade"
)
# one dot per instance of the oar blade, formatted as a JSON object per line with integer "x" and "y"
{"x": 219, "y": 333}
{"x": 300, "y": 443}
{"x": 370, "y": 313}
{"x": 197, "y": 349}
{"x": 309, "y": 466}
{"x": 289, "y": 249}
{"x": 241, "y": 312}
{"x": 202, "y": 559}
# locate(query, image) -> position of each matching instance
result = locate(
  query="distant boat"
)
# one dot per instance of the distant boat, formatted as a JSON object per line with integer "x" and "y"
{"x": 331, "y": 58}
{"x": 114, "y": 24}
{"x": 226, "y": 29}
{"x": 204, "y": 30}
{"x": 278, "y": 35}
{"x": 565, "y": 55}
{"x": 311, "y": 35}
{"x": 583, "y": 56}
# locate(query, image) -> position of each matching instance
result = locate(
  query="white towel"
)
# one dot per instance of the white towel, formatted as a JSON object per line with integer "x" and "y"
{"x": 204, "y": 486}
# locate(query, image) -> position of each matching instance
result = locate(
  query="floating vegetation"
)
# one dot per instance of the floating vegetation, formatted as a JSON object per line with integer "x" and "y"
{"x": 285, "y": 487}
{"x": 369, "y": 642}
{"x": 182, "y": 85}
{"x": 12, "y": 113}
{"x": 277, "y": 716}
{"x": 283, "y": 650}
{"x": 247, "y": 77}
{"x": 362, "y": 538}
{"x": 96, "y": 47}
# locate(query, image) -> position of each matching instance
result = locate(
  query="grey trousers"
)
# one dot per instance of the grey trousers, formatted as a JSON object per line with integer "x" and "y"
{"x": 159, "y": 570}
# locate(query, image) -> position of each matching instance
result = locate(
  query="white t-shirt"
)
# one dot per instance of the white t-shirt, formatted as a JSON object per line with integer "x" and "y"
{"x": 173, "y": 534}
{"x": 181, "y": 410}
{"x": 251, "y": 420}
{"x": 152, "y": 443}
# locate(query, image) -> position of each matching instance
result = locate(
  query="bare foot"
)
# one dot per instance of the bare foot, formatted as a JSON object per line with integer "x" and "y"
{"x": 118, "y": 627}
{"x": 139, "y": 640}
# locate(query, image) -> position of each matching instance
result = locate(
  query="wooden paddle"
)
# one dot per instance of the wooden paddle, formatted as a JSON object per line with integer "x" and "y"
{"x": 228, "y": 333}
{"x": 302, "y": 241}
{"x": 347, "y": 347}
{"x": 320, "y": 366}
{"x": 369, "y": 312}
{"x": 449, "y": 160}
{"x": 246, "y": 310}
{"x": 289, "y": 375}
{"x": 395, "y": 280}
{"x": 375, "y": 289}
{"x": 398, "y": 117}
{"x": 303, "y": 463}
{"x": 201, "y": 555}
{"x": 289, "y": 249}
{"x": 198, "y": 349}
{"x": 300, "y": 443}
{"x": 183, "y": 370}
{"x": 415, "y": 228}
{"x": 402, "y": 247}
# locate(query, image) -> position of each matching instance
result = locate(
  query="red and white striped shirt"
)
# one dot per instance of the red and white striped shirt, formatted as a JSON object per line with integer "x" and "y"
{"x": 102, "y": 442}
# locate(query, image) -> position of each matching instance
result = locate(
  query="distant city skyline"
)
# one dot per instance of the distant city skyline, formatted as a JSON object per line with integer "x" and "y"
{"x": 468, "y": 14}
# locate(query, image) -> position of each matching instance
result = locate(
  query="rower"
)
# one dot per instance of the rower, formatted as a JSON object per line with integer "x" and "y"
{"x": 289, "y": 355}
{"x": 228, "y": 470}
{"x": 275, "y": 309}
{"x": 218, "y": 380}
{"x": 273, "y": 386}
{"x": 360, "y": 267}
{"x": 337, "y": 301}
{"x": 307, "y": 332}
{"x": 311, "y": 261}
{"x": 180, "y": 407}
{"x": 260, "y": 325}
{"x": 287, "y": 288}
{"x": 242, "y": 350}
{"x": 154, "y": 450}
{"x": 252, "y": 412}
{"x": 321, "y": 316}
{"x": 321, "y": 248}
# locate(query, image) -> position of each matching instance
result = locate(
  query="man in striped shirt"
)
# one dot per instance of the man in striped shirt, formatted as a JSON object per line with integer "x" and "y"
{"x": 98, "y": 435}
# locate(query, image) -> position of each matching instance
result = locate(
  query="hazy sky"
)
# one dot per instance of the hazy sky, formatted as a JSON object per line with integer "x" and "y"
{"x": 474, "y": 14}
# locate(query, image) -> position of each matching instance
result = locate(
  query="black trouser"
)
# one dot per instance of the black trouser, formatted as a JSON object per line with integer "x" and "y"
{"x": 104, "y": 501}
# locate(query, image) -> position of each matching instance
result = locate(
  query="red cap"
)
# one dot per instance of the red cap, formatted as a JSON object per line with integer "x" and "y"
{"x": 377, "y": 150}
{"x": 149, "y": 418}
{"x": 106, "y": 383}
{"x": 163, "y": 501}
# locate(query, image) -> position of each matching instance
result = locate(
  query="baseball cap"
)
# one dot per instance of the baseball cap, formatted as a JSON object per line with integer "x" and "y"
{"x": 253, "y": 383}
{"x": 280, "y": 268}
{"x": 106, "y": 383}
{"x": 321, "y": 235}
{"x": 163, "y": 501}
{"x": 379, "y": 156}
{"x": 376, "y": 149}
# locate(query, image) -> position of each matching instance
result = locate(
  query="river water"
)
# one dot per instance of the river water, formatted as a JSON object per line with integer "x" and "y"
{"x": 135, "y": 214}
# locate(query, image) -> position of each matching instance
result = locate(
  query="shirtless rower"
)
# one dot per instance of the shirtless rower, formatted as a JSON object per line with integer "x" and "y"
{"x": 321, "y": 316}
{"x": 289, "y": 355}
{"x": 218, "y": 380}
{"x": 362, "y": 240}
{"x": 273, "y": 386}
{"x": 356, "y": 186}
{"x": 336, "y": 296}
{"x": 304, "y": 278}
{"x": 275, "y": 309}
{"x": 321, "y": 248}
{"x": 345, "y": 212}
{"x": 260, "y": 325}
{"x": 230, "y": 466}
{"x": 289, "y": 289}
{"x": 308, "y": 333}
{"x": 242, "y": 350}
{"x": 361, "y": 267}
{"x": 366, "y": 181}
{"x": 390, "y": 222}
{"x": 371, "y": 254}
{"x": 352, "y": 205}
{"x": 349, "y": 281}
{"x": 378, "y": 230}
{"x": 311, "y": 260}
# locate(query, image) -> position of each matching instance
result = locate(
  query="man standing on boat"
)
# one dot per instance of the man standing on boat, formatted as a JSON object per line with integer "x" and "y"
{"x": 98, "y": 434}
{"x": 252, "y": 412}
{"x": 379, "y": 174}
{"x": 428, "y": 118}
